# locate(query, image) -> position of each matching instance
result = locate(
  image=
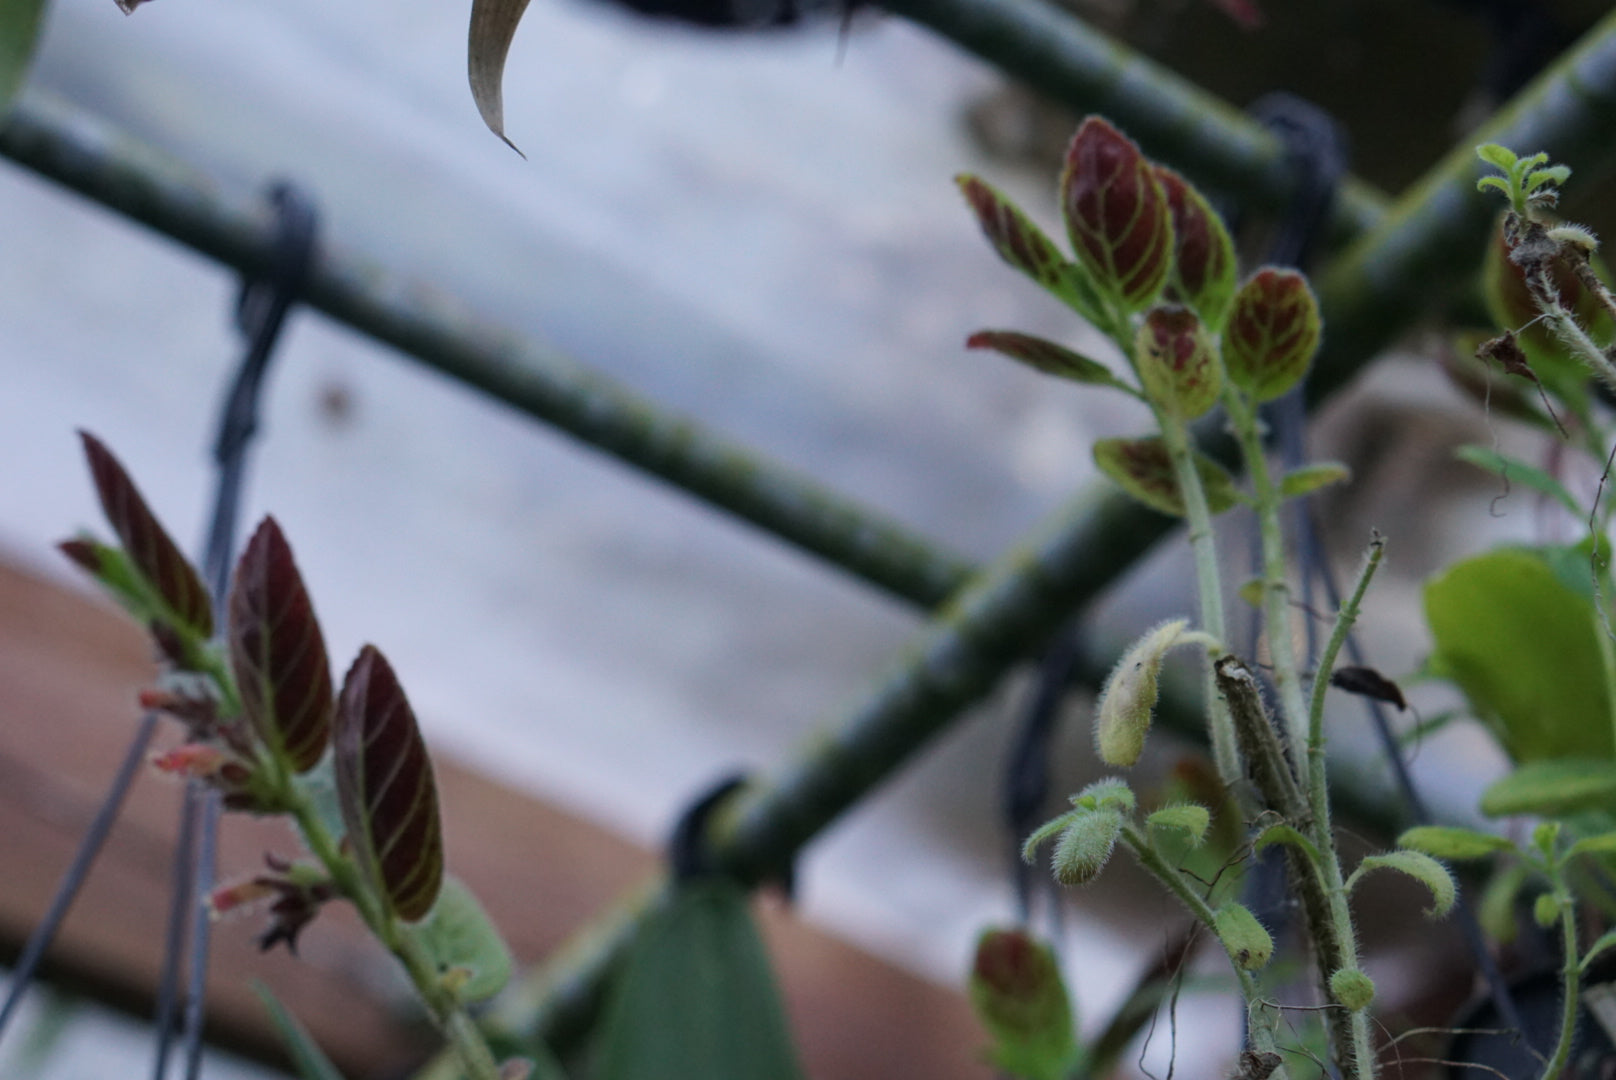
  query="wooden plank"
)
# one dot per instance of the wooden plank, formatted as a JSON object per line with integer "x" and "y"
{"x": 69, "y": 672}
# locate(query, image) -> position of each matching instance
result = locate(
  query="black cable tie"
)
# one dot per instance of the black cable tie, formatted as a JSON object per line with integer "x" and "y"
{"x": 689, "y": 851}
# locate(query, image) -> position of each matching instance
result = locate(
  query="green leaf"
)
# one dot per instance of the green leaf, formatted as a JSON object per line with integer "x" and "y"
{"x": 307, "y": 1057}
{"x": 20, "y": 23}
{"x": 1190, "y": 818}
{"x": 493, "y": 25}
{"x": 1496, "y": 909}
{"x": 1500, "y": 156}
{"x": 1451, "y": 842}
{"x": 1555, "y": 174}
{"x": 1085, "y": 846}
{"x": 1602, "y": 844}
{"x": 1029, "y": 849}
{"x": 384, "y": 782}
{"x": 1525, "y": 650}
{"x": 1605, "y": 942}
{"x": 1310, "y": 478}
{"x": 1111, "y": 793}
{"x": 1513, "y": 470}
{"x": 1419, "y": 866}
{"x": 1252, "y": 593}
{"x": 1018, "y": 995}
{"x": 471, "y": 957}
{"x": 1248, "y": 943}
{"x": 1287, "y": 835}
{"x": 277, "y": 652}
{"x": 695, "y": 999}
{"x": 1143, "y": 469}
{"x": 1553, "y": 787}
{"x": 1048, "y": 357}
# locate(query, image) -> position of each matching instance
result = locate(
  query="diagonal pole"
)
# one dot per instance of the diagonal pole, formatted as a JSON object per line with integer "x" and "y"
{"x": 1011, "y": 608}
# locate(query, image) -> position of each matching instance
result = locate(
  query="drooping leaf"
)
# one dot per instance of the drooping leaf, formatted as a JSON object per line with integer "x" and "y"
{"x": 1085, "y": 846}
{"x": 1128, "y": 700}
{"x": 1048, "y": 357}
{"x": 493, "y": 26}
{"x": 1018, "y": 995}
{"x": 151, "y": 551}
{"x": 1274, "y": 330}
{"x": 1288, "y": 836}
{"x": 1246, "y": 940}
{"x": 1056, "y": 824}
{"x": 1177, "y": 362}
{"x": 1117, "y": 215}
{"x": 1143, "y": 468}
{"x": 472, "y": 958}
{"x": 1310, "y": 478}
{"x": 1599, "y": 844}
{"x": 695, "y": 998}
{"x": 1021, "y": 243}
{"x": 278, "y": 652}
{"x": 1204, "y": 264}
{"x": 1524, "y": 648}
{"x": 307, "y": 1057}
{"x": 1369, "y": 683}
{"x": 1605, "y": 943}
{"x": 1515, "y": 470}
{"x": 384, "y": 783}
{"x": 1554, "y": 787}
{"x": 1452, "y": 842}
{"x": 1419, "y": 866}
{"x": 1192, "y": 819}
{"x": 20, "y": 23}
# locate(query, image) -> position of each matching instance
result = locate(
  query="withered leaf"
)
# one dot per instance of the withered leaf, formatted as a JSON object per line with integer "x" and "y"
{"x": 493, "y": 26}
{"x": 1367, "y": 682}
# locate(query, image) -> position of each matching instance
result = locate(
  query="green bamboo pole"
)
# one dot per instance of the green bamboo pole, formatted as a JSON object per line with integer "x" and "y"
{"x": 1009, "y": 610}
{"x": 1062, "y": 57}
{"x": 80, "y": 152}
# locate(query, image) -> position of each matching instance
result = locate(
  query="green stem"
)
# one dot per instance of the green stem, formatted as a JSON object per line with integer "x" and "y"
{"x": 1363, "y": 1064}
{"x": 1262, "y": 1035}
{"x": 1209, "y": 583}
{"x": 1276, "y": 591}
{"x": 446, "y": 1010}
{"x": 1570, "y": 978}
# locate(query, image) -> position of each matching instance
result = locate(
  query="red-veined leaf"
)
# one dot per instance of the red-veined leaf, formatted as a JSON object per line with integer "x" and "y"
{"x": 1143, "y": 468}
{"x": 278, "y": 652}
{"x": 1117, "y": 214}
{"x": 384, "y": 784}
{"x": 154, "y": 554}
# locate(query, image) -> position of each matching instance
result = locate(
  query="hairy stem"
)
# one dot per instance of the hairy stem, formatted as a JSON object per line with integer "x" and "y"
{"x": 1276, "y": 593}
{"x": 1571, "y": 977}
{"x": 1261, "y": 1033}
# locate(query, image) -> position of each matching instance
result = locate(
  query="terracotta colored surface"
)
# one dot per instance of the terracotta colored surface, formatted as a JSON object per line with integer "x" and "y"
{"x": 69, "y": 670}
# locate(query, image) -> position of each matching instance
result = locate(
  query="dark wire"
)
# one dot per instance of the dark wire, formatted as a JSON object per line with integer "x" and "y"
{"x": 261, "y": 310}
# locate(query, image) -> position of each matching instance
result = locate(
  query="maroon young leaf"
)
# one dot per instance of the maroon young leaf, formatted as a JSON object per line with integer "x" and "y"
{"x": 1144, "y": 469}
{"x": 153, "y": 553}
{"x": 1273, "y": 332}
{"x": 1116, "y": 214}
{"x": 384, "y": 784}
{"x": 1177, "y": 362}
{"x": 1022, "y": 244}
{"x": 1203, "y": 274}
{"x": 1045, "y": 356}
{"x": 278, "y": 652}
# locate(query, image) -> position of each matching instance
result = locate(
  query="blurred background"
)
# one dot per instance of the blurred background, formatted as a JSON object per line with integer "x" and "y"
{"x": 757, "y": 229}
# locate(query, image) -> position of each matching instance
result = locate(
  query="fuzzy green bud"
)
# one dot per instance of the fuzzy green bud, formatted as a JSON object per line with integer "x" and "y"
{"x": 1248, "y": 943}
{"x": 1352, "y": 989}
{"x": 1129, "y": 697}
{"x": 1085, "y": 847}
{"x": 1177, "y": 362}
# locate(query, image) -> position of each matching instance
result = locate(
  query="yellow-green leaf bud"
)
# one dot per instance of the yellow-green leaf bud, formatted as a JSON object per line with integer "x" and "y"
{"x": 1248, "y": 943}
{"x": 1085, "y": 847}
{"x": 1352, "y": 989}
{"x": 1129, "y": 697}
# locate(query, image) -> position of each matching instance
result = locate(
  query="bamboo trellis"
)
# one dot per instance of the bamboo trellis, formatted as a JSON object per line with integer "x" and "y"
{"x": 1396, "y": 259}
